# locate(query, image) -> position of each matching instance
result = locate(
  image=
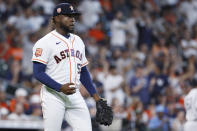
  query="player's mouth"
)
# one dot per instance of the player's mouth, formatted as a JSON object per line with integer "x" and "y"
{"x": 72, "y": 26}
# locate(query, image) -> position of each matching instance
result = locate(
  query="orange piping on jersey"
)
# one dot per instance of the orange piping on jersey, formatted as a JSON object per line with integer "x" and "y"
{"x": 84, "y": 64}
{"x": 69, "y": 52}
{"x": 39, "y": 61}
{"x": 75, "y": 62}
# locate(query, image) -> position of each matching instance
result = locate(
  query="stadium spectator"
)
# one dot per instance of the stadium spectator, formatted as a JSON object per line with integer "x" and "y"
{"x": 178, "y": 124}
{"x": 15, "y": 74}
{"x": 118, "y": 31}
{"x": 34, "y": 109}
{"x": 21, "y": 98}
{"x": 159, "y": 81}
{"x": 3, "y": 100}
{"x": 4, "y": 47}
{"x": 90, "y": 12}
{"x": 113, "y": 86}
{"x": 4, "y": 112}
{"x": 132, "y": 22}
{"x": 28, "y": 42}
{"x": 139, "y": 85}
{"x": 159, "y": 121}
{"x": 18, "y": 113}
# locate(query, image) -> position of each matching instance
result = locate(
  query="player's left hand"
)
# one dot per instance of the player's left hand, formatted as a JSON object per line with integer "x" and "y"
{"x": 104, "y": 113}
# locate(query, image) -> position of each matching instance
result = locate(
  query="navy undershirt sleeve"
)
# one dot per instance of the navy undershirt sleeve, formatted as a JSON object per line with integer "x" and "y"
{"x": 87, "y": 81}
{"x": 40, "y": 75}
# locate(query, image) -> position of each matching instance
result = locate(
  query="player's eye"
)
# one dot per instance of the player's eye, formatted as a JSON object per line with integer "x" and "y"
{"x": 69, "y": 15}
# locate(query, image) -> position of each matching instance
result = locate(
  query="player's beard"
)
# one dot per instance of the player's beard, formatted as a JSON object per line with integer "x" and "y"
{"x": 66, "y": 29}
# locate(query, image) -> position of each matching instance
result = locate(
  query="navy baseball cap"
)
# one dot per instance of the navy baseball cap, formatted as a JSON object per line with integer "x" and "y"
{"x": 65, "y": 9}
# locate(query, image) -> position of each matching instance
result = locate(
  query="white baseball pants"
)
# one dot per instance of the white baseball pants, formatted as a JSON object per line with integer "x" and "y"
{"x": 57, "y": 106}
{"x": 190, "y": 126}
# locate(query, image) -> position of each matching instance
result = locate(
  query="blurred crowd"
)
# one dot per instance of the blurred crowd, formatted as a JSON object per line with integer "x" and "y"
{"x": 142, "y": 57}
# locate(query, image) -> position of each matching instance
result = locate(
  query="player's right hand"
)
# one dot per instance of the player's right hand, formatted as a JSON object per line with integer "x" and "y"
{"x": 66, "y": 89}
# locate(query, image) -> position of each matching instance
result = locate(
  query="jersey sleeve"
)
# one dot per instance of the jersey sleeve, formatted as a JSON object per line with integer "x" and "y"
{"x": 84, "y": 60}
{"x": 40, "y": 52}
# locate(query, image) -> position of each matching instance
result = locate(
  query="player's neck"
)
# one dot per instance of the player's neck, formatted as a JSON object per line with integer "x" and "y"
{"x": 62, "y": 32}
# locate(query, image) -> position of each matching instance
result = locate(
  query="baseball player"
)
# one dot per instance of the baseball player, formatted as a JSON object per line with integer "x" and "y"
{"x": 59, "y": 62}
{"x": 190, "y": 103}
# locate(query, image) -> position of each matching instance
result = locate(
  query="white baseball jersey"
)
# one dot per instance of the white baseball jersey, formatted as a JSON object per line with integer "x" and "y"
{"x": 190, "y": 103}
{"x": 63, "y": 57}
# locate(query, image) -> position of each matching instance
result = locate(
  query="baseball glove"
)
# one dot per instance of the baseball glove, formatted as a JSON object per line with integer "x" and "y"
{"x": 104, "y": 113}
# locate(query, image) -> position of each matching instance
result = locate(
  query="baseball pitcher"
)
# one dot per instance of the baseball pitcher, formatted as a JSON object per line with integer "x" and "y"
{"x": 59, "y": 63}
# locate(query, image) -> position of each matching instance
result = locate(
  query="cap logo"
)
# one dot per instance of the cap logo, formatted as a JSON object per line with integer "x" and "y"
{"x": 71, "y": 7}
{"x": 59, "y": 10}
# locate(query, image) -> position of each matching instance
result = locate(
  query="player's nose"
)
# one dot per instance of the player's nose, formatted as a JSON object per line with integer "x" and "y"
{"x": 73, "y": 20}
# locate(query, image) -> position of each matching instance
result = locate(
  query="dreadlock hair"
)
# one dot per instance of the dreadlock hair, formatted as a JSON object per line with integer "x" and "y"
{"x": 52, "y": 23}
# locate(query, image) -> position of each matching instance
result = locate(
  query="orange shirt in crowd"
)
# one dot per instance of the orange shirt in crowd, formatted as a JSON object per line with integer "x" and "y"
{"x": 15, "y": 53}
{"x": 3, "y": 104}
{"x": 170, "y": 17}
{"x": 157, "y": 49}
{"x": 98, "y": 35}
{"x": 106, "y": 4}
{"x": 4, "y": 51}
{"x": 13, "y": 105}
{"x": 181, "y": 101}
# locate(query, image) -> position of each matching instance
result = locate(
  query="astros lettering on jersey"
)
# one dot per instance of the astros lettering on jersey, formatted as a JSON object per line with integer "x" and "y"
{"x": 64, "y": 57}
